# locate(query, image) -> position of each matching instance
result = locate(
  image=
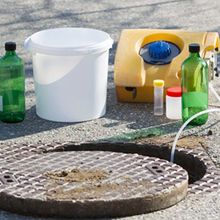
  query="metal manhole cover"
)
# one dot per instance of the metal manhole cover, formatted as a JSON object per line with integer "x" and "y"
{"x": 90, "y": 184}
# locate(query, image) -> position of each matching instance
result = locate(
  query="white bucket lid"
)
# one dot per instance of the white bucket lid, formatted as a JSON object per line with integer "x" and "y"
{"x": 68, "y": 41}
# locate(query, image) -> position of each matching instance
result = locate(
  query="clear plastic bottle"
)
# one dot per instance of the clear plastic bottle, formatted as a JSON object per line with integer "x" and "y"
{"x": 158, "y": 96}
{"x": 12, "y": 86}
{"x": 174, "y": 103}
{"x": 194, "y": 86}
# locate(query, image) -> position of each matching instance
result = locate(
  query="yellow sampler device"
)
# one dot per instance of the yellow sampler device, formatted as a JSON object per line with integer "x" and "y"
{"x": 144, "y": 55}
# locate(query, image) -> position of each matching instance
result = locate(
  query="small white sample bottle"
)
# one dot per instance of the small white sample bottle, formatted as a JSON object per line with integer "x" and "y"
{"x": 174, "y": 103}
{"x": 158, "y": 97}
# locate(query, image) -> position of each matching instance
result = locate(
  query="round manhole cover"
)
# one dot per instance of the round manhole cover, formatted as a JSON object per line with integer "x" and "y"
{"x": 91, "y": 184}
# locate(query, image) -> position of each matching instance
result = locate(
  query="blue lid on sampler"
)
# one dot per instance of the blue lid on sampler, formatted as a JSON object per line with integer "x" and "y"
{"x": 159, "y": 52}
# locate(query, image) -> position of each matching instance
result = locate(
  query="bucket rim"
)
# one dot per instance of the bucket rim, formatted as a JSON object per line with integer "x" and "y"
{"x": 31, "y": 45}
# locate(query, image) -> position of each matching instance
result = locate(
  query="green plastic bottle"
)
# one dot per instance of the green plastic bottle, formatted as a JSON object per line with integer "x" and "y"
{"x": 194, "y": 86}
{"x": 12, "y": 86}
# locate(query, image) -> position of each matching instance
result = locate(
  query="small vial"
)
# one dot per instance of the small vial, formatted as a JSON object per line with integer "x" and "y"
{"x": 158, "y": 96}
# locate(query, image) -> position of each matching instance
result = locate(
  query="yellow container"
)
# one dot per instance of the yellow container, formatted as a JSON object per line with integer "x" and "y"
{"x": 134, "y": 78}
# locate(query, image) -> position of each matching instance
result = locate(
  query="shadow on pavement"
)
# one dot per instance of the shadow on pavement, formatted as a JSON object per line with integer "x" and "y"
{"x": 31, "y": 125}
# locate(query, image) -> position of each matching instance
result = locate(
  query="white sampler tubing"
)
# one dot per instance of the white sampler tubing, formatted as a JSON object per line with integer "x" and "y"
{"x": 184, "y": 125}
{"x": 214, "y": 92}
{"x": 190, "y": 119}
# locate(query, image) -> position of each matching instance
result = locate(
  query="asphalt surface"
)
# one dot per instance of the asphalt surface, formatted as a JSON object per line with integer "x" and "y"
{"x": 19, "y": 19}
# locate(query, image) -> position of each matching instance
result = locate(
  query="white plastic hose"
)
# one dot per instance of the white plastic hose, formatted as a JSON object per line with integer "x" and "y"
{"x": 214, "y": 92}
{"x": 184, "y": 125}
{"x": 189, "y": 120}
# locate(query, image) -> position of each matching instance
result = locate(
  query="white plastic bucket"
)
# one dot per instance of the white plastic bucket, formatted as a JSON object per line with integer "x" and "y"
{"x": 70, "y": 68}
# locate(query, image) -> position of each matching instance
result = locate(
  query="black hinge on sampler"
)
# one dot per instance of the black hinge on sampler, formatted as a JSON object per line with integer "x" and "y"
{"x": 133, "y": 90}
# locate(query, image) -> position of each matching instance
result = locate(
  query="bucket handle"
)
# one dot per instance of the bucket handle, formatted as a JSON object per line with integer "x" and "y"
{"x": 27, "y": 43}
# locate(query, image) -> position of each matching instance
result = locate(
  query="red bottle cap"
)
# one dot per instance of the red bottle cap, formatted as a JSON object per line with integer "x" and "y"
{"x": 174, "y": 92}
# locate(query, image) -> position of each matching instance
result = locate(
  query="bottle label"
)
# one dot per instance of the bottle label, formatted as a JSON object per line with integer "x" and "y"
{"x": 1, "y": 103}
{"x": 195, "y": 99}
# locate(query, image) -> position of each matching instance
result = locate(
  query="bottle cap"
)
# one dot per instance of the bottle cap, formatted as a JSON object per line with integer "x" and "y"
{"x": 10, "y": 46}
{"x": 194, "y": 48}
{"x": 174, "y": 91}
{"x": 159, "y": 83}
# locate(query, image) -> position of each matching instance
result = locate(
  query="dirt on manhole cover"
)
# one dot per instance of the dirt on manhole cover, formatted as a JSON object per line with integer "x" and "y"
{"x": 78, "y": 175}
{"x": 93, "y": 187}
{"x": 92, "y": 184}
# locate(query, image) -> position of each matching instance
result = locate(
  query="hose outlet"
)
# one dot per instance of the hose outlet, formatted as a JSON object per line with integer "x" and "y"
{"x": 133, "y": 90}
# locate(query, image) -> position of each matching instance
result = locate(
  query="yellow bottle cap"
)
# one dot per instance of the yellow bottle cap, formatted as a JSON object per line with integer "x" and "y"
{"x": 159, "y": 82}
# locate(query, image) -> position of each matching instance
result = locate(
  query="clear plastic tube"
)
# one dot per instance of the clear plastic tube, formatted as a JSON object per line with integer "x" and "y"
{"x": 158, "y": 96}
{"x": 158, "y": 100}
{"x": 189, "y": 120}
